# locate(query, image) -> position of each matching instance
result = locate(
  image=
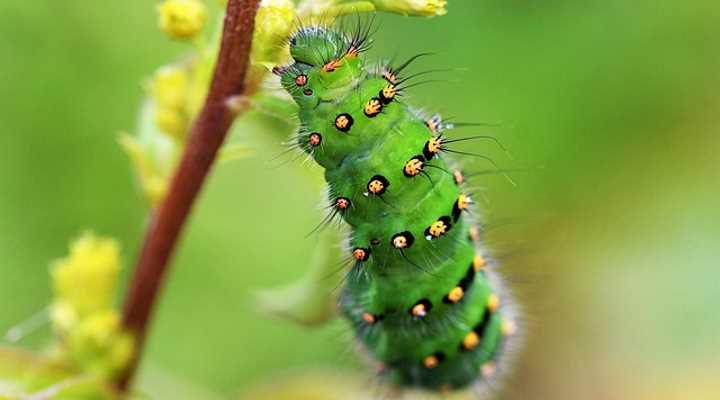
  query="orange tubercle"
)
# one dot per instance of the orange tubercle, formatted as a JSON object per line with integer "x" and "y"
{"x": 456, "y": 294}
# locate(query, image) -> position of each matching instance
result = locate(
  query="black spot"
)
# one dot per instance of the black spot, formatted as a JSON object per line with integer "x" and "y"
{"x": 440, "y": 356}
{"x": 376, "y": 318}
{"x": 384, "y": 100}
{"x": 482, "y": 326}
{"x": 419, "y": 158}
{"x": 468, "y": 279}
{"x": 456, "y": 211}
{"x": 384, "y": 183}
{"x": 341, "y": 124}
{"x": 375, "y": 113}
{"x": 375, "y": 242}
{"x": 361, "y": 254}
{"x": 314, "y": 139}
{"x": 343, "y": 203}
{"x": 426, "y": 151}
{"x": 448, "y": 225}
{"x": 424, "y": 302}
{"x": 308, "y": 92}
{"x": 409, "y": 239}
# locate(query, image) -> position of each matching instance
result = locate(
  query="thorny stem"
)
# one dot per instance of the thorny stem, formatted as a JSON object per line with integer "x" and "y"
{"x": 206, "y": 137}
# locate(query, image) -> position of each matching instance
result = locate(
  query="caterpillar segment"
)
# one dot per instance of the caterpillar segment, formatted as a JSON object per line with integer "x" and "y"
{"x": 427, "y": 306}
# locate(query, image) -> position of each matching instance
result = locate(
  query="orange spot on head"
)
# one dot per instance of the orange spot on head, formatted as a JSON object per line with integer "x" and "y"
{"x": 314, "y": 139}
{"x": 332, "y": 65}
{"x": 343, "y": 122}
{"x": 373, "y": 107}
{"x": 464, "y": 202}
{"x": 434, "y": 144}
{"x": 352, "y": 52}
{"x": 413, "y": 167}
{"x": 301, "y": 80}
{"x": 342, "y": 203}
{"x": 437, "y": 229}
{"x": 375, "y": 186}
{"x": 431, "y": 361}
{"x": 456, "y": 294}
{"x": 419, "y": 310}
{"x": 478, "y": 262}
{"x": 400, "y": 242}
{"x": 368, "y": 318}
{"x": 471, "y": 341}
{"x": 360, "y": 254}
{"x": 387, "y": 94}
{"x": 432, "y": 147}
{"x": 493, "y": 302}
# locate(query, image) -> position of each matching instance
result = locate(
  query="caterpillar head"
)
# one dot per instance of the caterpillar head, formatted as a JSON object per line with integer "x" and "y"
{"x": 326, "y": 64}
{"x": 316, "y": 45}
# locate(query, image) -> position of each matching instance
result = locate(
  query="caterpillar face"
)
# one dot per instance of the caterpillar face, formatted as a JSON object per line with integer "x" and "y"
{"x": 315, "y": 45}
{"x": 429, "y": 311}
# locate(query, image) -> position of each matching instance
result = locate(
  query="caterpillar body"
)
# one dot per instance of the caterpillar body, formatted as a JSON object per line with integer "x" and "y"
{"x": 421, "y": 294}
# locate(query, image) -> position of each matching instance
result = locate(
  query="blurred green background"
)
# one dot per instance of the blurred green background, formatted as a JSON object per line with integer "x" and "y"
{"x": 612, "y": 246}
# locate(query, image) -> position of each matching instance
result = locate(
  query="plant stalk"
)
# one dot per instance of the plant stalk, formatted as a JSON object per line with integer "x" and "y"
{"x": 206, "y": 136}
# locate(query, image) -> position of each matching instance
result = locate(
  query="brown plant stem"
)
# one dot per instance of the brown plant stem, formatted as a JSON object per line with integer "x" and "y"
{"x": 206, "y": 137}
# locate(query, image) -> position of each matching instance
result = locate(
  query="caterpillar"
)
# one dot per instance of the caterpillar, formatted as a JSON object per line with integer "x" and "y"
{"x": 421, "y": 293}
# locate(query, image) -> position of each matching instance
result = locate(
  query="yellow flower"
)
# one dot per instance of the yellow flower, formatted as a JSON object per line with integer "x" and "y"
{"x": 273, "y": 24}
{"x": 427, "y": 8}
{"x": 181, "y": 19}
{"x": 170, "y": 89}
{"x": 171, "y": 121}
{"x": 98, "y": 344}
{"x": 63, "y": 316}
{"x": 170, "y": 86}
{"x": 84, "y": 282}
{"x": 87, "y": 324}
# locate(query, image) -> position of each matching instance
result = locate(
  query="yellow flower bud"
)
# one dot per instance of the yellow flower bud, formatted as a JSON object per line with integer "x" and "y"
{"x": 89, "y": 328}
{"x": 98, "y": 344}
{"x": 181, "y": 19}
{"x": 428, "y": 8}
{"x": 98, "y": 329}
{"x": 85, "y": 280}
{"x": 63, "y": 316}
{"x": 171, "y": 121}
{"x": 170, "y": 86}
{"x": 273, "y": 24}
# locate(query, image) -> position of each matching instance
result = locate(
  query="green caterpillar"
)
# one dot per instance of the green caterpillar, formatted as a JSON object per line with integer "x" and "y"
{"x": 421, "y": 295}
